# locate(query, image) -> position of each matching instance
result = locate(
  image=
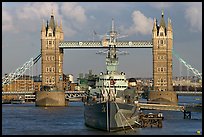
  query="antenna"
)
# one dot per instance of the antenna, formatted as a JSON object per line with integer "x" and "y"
{"x": 112, "y": 25}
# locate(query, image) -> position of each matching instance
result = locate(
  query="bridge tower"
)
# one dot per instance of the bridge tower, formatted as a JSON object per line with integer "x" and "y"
{"x": 52, "y": 55}
{"x": 162, "y": 39}
{"x": 52, "y": 66}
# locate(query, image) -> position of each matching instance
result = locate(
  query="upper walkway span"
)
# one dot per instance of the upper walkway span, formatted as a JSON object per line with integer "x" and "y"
{"x": 101, "y": 44}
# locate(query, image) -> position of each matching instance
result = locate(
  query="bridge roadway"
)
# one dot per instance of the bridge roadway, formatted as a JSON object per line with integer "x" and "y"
{"x": 179, "y": 93}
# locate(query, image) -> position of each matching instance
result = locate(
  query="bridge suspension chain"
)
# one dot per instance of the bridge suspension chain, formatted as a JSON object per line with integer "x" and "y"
{"x": 195, "y": 71}
{"x": 19, "y": 71}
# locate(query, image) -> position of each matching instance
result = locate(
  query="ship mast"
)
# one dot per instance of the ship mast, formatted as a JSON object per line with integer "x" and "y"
{"x": 112, "y": 59}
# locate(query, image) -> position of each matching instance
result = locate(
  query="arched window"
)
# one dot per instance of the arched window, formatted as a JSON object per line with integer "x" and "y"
{"x": 162, "y": 42}
{"x": 50, "y": 34}
{"x": 53, "y": 80}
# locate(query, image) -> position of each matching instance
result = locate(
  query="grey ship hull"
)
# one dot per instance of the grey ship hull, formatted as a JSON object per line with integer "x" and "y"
{"x": 110, "y": 116}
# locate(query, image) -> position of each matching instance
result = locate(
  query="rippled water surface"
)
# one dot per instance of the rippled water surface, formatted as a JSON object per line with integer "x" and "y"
{"x": 26, "y": 119}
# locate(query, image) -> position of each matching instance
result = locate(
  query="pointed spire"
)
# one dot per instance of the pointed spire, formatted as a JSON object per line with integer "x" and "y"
{"x": 43, "y": 26}
{"x": 162, "y": 22}
{"x": 57, "y": 27}
{"x": 169, "y": 27}
{"x": 61, "y": 24}
{"x": 52, "y": 22}
{"x": 155, "y": 25}
{"x": 162, "y": 12}
{"x": 52, "y": 13}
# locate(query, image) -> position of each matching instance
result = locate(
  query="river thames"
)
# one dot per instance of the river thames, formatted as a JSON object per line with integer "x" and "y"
{"x": 26, "y": 119}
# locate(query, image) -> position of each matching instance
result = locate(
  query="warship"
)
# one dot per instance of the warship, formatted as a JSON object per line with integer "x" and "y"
{"x": 112, "y": 104}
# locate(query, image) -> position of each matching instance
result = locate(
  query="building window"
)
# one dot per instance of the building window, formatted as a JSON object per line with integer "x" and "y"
{"x": 161, "y": 42}
{"x": 164, "y": 80}
{"x": 47, "y": 69}
{"x": 53, "y": 69}
{"x": 158, "y": 69}
{"x": 161, "y": 34}
{"x": 50, "y": 42}
{"x": 47, "y": 80}
{"x": 53, "y": 80}
{"x": 53, "y": 57}
{"x": 50, "y": 34}
{"x": 50, "y": 69}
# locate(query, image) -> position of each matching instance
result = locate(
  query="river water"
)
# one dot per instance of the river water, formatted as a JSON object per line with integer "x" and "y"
{"x": 26, "y": 119}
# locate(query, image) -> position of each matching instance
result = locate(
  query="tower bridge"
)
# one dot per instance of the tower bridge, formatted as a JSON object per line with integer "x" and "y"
{"x": 53, "y": 45}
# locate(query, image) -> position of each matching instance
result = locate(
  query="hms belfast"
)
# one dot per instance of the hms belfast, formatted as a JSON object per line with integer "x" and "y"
{"x": 111, "y": 105}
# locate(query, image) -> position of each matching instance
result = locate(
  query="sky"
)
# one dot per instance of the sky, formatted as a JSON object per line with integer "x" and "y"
{"x": 21, "y": 31}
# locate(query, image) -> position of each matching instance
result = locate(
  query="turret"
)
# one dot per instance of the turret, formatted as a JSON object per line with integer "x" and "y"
{"x": 52, "y": 22}
{"x": 169, "y": 29}
{"x": 43, "y": 29}
{"x": 57, "y": 28}
{"x": 61, "y": 25}
{"x": 162, "y": 22}
{"x": 154, "y": 30}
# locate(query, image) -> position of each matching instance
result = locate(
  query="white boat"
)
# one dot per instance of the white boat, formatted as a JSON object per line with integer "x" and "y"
{"x": 17, "y": 101}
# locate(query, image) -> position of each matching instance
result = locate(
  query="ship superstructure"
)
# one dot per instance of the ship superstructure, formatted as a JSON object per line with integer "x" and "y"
{"x": 110, "y": 106}
{"x": 111, "y": 81}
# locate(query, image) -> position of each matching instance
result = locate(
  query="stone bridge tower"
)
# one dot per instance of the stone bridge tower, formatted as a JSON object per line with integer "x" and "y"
{"x": 162, "y": 39}
{"x": 52, "y": 55}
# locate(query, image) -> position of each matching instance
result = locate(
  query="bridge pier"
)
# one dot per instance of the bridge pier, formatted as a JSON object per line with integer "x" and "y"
{"x": 163, "y": 97}
{"x": 50, "y": 99}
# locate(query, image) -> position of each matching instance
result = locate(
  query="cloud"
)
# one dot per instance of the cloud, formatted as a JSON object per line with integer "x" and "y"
{"x": 7, "y": 21}
{"x": 32, "y": 13}
{"x": 37, "y": 10}
{"x": 141, "y": 24}
{"x": 193, "y": 15}
{"x": 73, "y": 11}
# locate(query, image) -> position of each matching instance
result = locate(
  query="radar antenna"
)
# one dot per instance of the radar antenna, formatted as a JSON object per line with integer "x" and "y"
{"x": 112, "y": 53}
